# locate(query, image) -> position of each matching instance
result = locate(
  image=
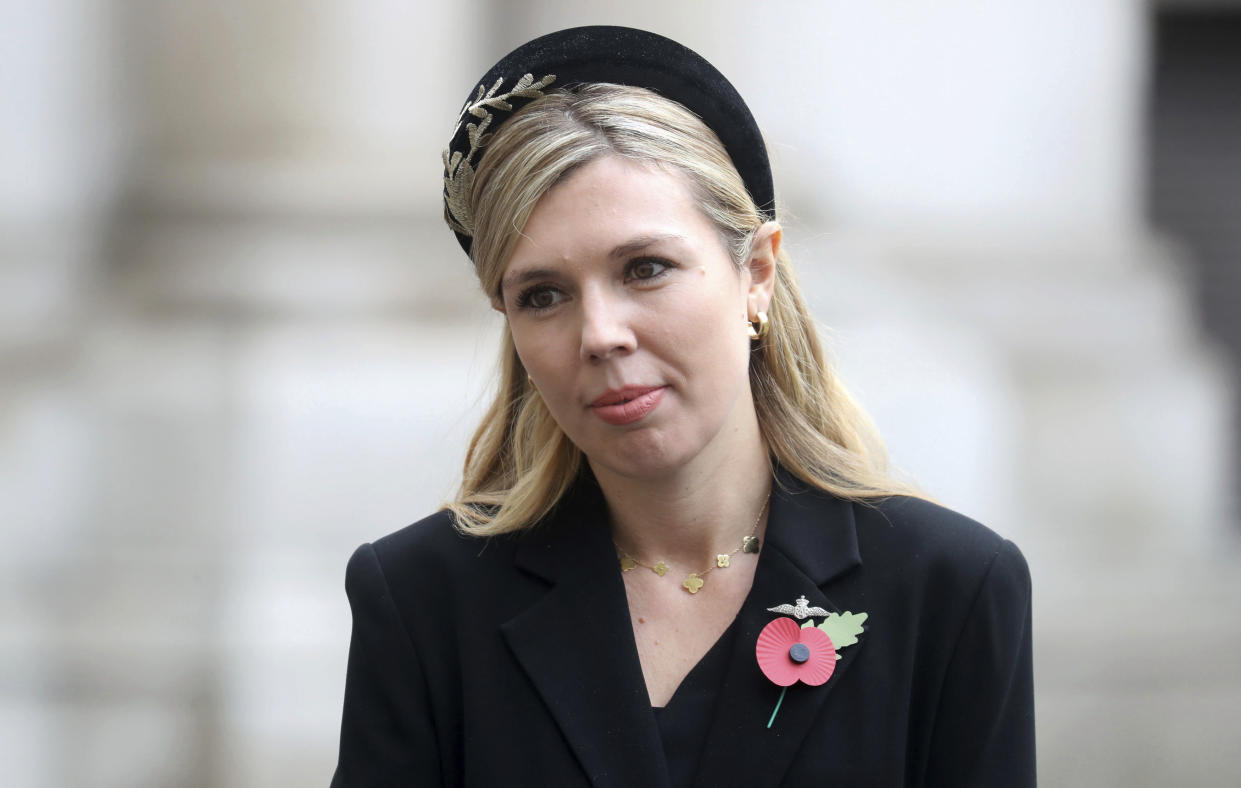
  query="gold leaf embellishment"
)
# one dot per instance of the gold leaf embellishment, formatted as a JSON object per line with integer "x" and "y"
{"x": 458, "y": 164}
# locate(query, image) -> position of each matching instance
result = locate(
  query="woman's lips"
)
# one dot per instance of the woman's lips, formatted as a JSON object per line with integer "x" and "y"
{"x": 627, "y": 405}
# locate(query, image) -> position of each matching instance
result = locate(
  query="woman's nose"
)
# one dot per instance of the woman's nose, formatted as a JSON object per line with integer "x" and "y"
{"x": 606, "y": 328}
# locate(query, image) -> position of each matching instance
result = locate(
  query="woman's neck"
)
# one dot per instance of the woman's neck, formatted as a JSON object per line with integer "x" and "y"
{"x": 690, "y": 516}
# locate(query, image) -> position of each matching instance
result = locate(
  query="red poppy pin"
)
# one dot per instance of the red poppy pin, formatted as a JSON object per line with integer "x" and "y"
{"x": 790, "y": 651}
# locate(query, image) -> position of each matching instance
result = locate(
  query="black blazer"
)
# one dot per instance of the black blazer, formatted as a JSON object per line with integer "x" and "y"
{"x": 511, "y": 661}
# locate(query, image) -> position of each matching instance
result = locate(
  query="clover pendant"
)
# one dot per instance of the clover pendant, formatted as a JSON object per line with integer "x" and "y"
{"x": 693, "y": 582}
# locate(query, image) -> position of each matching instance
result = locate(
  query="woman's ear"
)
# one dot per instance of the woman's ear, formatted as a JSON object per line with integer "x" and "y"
{"x": 764, "y": 250}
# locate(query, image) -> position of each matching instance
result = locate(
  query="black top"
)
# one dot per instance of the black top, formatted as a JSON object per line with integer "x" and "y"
{"x": 685, "y": 720}
{"x": 510, "y": 661}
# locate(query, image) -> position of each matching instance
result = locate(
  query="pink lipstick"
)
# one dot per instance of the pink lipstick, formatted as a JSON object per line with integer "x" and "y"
{"x": 627, "y": 405}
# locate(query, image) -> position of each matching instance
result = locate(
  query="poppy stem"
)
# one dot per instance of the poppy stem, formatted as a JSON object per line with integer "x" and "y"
{"x": 777, "y": 709}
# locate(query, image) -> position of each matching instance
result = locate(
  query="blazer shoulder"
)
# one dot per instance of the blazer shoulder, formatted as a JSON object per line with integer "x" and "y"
{"x": 939, "y": 544}
{"x": 433, "y": 549}
{"x": 435, "y": 533}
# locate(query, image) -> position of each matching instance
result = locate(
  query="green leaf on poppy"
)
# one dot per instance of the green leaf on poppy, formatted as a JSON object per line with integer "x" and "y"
{"x": 843, "y": 628}
{"x": 807, "y": 623}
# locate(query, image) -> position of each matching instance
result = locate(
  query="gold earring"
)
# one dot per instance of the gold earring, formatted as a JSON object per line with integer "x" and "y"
{"x": 764, "y": 326}
{"x": 750, "y": 329}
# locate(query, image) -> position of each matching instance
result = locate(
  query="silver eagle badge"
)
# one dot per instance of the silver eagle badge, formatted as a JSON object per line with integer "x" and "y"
{"x": 800, "y": 609}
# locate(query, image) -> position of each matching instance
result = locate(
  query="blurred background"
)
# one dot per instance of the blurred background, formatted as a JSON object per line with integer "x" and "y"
{"x": 236, "y": 341}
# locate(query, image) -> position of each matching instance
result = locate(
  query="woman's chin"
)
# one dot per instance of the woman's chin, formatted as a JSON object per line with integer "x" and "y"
{"x": 640, "y": 456}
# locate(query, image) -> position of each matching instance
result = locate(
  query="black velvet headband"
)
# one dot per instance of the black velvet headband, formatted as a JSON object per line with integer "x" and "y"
{"x": 619, "y": 55}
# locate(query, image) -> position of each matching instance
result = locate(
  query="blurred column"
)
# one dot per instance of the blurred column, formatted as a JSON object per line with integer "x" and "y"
{"x": 289, "y": 165}
{"x": 987, "y": 157}
{"x": 64, "y": 145}
{"x": 285, "y": 225}
{"x": 63, "y": 148}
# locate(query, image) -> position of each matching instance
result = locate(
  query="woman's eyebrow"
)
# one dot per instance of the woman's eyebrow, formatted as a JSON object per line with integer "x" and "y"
{"x": 521, "y": 277}
{"x": 642, "y": 242}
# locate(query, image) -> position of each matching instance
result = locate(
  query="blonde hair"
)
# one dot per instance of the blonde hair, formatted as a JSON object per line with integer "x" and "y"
{"x": 520, "y": 463}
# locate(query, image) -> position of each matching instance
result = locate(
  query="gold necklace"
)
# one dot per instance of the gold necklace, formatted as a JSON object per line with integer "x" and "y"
{"x": 694, "y": 581}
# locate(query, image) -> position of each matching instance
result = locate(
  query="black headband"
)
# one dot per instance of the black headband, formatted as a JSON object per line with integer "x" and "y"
{"x": 619, "y": 55}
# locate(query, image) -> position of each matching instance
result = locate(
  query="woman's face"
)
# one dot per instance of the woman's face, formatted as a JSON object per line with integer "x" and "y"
{"x": 630, "y": 317}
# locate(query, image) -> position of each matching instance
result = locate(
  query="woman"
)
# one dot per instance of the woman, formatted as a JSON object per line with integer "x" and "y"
{"x": 676, "y": 557}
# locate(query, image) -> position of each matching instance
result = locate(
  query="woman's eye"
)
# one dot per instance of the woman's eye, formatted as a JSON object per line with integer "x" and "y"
{"x": 537, "y": 298}
{"x": 647, "y": 269}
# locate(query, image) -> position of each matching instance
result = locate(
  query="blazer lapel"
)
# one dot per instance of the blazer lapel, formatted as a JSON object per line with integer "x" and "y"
{"x": 810, "y": 541}
{"x": 576, "y": 644}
